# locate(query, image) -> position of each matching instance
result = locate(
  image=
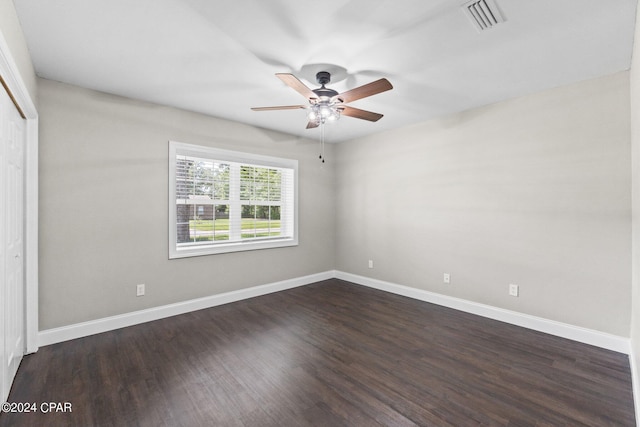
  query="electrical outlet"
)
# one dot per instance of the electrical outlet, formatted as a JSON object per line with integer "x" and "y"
{"x": 140, "y": 290}
{"x": 514, "y": 290}
{"x": 370, "y": 263}
{"x": 446, "y": 278}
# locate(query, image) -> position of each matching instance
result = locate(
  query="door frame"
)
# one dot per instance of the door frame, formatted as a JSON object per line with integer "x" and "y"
{"x": 12, "y": 80}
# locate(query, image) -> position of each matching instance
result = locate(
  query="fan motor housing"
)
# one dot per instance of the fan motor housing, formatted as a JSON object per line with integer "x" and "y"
{"x": 324, "y": 92}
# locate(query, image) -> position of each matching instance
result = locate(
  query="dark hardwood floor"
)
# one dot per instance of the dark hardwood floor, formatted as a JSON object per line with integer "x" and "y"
{"x": 330, "y": 354}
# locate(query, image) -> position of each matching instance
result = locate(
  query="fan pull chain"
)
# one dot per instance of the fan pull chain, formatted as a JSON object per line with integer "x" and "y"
{"x": 321, "y": 157}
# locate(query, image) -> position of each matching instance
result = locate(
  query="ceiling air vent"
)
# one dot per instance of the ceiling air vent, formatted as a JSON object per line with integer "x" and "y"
{"x": 484, "y": 14}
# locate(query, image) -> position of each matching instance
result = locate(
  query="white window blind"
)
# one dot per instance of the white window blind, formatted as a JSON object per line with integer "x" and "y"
{"x": 226, "y": 201}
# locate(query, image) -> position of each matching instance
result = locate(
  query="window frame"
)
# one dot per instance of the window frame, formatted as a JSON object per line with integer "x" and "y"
{"x": 220, "y": 155}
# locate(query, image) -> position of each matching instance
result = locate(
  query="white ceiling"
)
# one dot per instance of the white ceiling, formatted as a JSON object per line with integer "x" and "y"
{"x": 220, "y": 57}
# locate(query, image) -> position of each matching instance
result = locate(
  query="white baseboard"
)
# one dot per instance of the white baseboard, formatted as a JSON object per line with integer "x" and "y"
{"x": 587, "y": 336}
{"x": 564, "y": 330}
{"x": 79, "y": 330}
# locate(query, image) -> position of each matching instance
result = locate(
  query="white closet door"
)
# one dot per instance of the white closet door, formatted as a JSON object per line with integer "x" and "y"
{"x": 12, "y": 142}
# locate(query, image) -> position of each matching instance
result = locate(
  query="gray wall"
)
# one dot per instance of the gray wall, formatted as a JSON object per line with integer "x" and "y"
{"x": 103, "y": 207}
{"x": 534, "y": 191}
{"x": 635, "y": 159}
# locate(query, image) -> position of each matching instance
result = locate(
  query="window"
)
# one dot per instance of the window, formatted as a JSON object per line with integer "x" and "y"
{"x": 227, "y": 201}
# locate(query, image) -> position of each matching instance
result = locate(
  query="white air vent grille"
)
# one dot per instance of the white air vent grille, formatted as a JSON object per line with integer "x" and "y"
{"x": 484, "y": 14}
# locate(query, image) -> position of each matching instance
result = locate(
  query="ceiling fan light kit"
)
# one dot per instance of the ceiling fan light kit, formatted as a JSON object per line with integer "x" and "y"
{"x": 322, "y": 112}
{"x": 327, "y": 105}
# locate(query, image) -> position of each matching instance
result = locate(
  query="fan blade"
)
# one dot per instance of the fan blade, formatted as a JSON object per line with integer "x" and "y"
{"x": 294, "y": 83}
{"x": 360, "y": 114}
{"x": 363, "y": 91}
{"x": 281, "y": 107}
{"x": 312, "y": 124}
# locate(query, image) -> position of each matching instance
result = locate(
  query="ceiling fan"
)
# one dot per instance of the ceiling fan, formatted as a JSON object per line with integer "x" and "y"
{"x": 326, "y": 104}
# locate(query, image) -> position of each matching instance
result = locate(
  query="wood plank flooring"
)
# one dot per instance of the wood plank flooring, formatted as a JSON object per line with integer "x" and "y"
{"x": 327, "y": 354}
